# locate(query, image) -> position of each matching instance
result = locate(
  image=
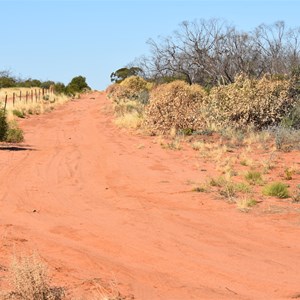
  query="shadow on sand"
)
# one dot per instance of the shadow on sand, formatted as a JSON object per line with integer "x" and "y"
{"x": 16, "y": 148}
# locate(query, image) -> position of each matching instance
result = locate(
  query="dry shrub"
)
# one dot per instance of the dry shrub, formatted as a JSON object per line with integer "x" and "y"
{"x": 259, "y": 103}
{"x": 116, "y": 93}
{"x": 30, "y": 281}
{"x": 129, "y": 98}
{"x": 135, "y": 83}
{"x": 175, "y": 105}
{"x": 110, "y": 90}
{"x": 133, "y": 88}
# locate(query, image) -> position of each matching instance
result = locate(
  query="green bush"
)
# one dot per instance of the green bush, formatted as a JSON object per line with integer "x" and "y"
{"x": 77, "y": 85}
{"x": 18, "y": 113}
{"x": 276, "y": 189}
{"x": 6, "y": 81}
{"x": 47, "y": 84}
{"x": 121, "y": 74}
{"x": 14, "y": 134}
{"x": 59, "y": 88}
{"x": 3, "y": 125}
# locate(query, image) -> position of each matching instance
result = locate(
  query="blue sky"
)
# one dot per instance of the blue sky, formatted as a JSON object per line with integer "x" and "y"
{"x": 58, "y": 40}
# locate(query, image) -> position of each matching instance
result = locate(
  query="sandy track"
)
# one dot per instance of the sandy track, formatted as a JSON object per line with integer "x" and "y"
{"x": 97, "y": 202}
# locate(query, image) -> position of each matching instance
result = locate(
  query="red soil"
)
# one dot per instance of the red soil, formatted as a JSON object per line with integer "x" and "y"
{"x": 98, "y": 203}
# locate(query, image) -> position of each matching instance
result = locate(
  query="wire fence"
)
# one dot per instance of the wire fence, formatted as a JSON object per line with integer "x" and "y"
{"x": 25, "y": 97}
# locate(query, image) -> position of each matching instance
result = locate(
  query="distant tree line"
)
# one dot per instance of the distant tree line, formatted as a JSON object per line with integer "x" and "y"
{"x": 77, "y": 84}
{"x": 213, "y": 52}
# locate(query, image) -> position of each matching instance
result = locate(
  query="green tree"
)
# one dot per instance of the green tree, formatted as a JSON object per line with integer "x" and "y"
{"x": 77, "y": 85}
{"x": 123, "y": 73}
{"x": 47, "y": 84}
{"x": 59, "y": 88}
{"x": 29, "y": 83}
{"x": 7, "y": 80}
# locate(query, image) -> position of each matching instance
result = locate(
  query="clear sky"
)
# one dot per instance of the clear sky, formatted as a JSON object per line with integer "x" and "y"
{"x": 60, "y": 39}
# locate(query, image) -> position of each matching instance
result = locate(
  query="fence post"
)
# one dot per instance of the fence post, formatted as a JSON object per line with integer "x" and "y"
{"x": 20, "y": 95}
{"x": 5, "y": 103}
{"x": 26, "y": 96}
{"x": 14, "y": 95}
{"x": 31, "y": 95}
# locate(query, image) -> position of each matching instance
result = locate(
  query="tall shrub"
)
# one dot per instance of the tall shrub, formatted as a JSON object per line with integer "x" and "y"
{"x": 260, "y": 103}
{"x": 175, "y": 105}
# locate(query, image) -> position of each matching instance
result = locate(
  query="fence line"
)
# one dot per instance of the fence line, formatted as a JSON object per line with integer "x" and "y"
{"x": 33, "y": 95}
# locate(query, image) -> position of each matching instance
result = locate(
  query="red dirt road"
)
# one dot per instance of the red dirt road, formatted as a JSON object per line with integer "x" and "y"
{"x": 96, "y": 202}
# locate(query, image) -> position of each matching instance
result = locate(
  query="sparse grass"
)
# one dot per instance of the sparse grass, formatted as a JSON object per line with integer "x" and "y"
{"x": 30, "y": 280}
{"x": 229, "y": 190}
{"x": 254, "y": 177}
{"x": 287, "y": 139}
{"x": 226, "y": 166}
{"x": 110, "y": 292}
{"x": 296, "y": 194}
{"x": 259, "y": 138}
{"x": 228, "y": 187}
{"x": 289, "y": 173}
{"x": 217, "y": 182}
{"x": 174, "y": 144}
{"x": 245, "y": 204}
{"x": 276, "y": 189}
{"x": 124, "y": 107}
{"x": 131, "y": 120}
{"x": 245, "y": 160}
{"x": 198, "y": 145}
{"x": 243, "y": 187}
{"x": 201, "y": 188}
{"x": 269, "y": 164}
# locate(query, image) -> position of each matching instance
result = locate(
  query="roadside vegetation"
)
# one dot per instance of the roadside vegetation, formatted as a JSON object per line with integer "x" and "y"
{"x": 28, "y": 278}
{"x": 236, "y": 104}
{"x": 50, "y": 94}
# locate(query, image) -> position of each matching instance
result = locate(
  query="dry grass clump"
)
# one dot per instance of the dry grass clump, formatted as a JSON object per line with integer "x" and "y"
{"x": 125, "y": 107}
{"x": 254, "y": 177}
{"x": 132, "y": 120}
{"x": 30, "y": 280}
{"x": 174, "y": 105}
{"x": 276, "y": 189}
{"x": 245, "y": 204}
{"x": 110, "y": 292}
{"x": 259, "y": 103}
